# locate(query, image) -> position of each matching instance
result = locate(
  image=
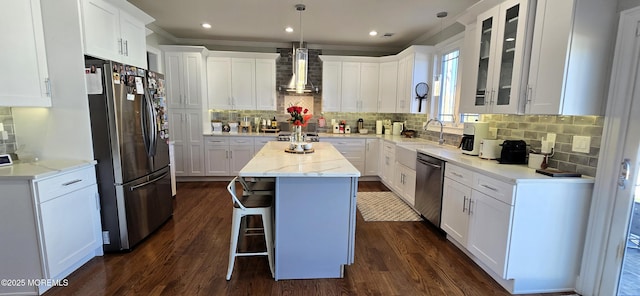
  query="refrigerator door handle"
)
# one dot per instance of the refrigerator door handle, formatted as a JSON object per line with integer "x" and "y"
{"x": 153, "y": 136}
{"x": 144, "y": 118}
{"x": 148, "y": 182}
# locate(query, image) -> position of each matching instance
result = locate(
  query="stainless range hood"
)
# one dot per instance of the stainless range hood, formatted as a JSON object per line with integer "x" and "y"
{"x": 291, "y": 86}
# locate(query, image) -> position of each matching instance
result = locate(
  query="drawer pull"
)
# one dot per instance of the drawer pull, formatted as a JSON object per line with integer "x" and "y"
{"x": 488, "y": 187}
{"x": 464, "y": 204}
{"x": 457, "y": 175}
{"x": 72, "y": 182}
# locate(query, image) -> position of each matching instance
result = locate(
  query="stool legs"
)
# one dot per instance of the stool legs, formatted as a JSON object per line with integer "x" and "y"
{"x": 268, "y": 238}
{"x": 235, "y": 232}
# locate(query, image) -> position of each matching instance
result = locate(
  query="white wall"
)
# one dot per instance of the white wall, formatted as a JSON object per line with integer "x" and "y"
{"x": 62, "y": 131}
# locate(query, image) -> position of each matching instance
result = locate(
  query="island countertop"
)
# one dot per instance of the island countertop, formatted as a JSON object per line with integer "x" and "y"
{"x": 273, "y": 161}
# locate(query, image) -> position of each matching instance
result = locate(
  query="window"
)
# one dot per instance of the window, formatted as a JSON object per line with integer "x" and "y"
{"x": 446, "y": 86}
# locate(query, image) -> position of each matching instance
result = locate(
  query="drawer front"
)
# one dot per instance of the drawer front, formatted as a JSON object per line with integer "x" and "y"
{"x": 64, "y": 183}
{"x": 499, "y": 190}
{"x": 389, "y": 147}
{"x": 264, "y": 140}
{"x": 459, "y": 174}
{"x": 216, "y": 141}
{"x": 241, "y": 141}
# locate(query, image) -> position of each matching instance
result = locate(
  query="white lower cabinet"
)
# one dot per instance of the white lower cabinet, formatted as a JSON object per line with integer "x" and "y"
{"x": 50, "y": 227}
{"x": 226, "y": 156}
{"x": 404, "y": 183}
{"x": 455, "y": 210}
{"x": 186, "y": 127}
{"x": 387, "y": 163}
{"x": 527, "y": 235}
{"x": 372, "y": 157}
{"x": 352, "y": 149}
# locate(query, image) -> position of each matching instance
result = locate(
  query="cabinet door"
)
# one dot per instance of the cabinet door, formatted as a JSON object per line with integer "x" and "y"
{"x": 239, "y": 156}
{"x": 178, "y": 134}
{"x": 388, "y": 87}
{"x": 23, "y": 80}
{"x": 134, "y": 38}
{"x": 398, "y": 179}
{"x": 217, "y": 157}
{"x": 402, "y": 105}
{"x": 243, "y": 83}
{"x": 486, "y": 38}
{"x": 192, "y": 80}
{"x": 549, "y": 57}
{"x": 331, "y": 86}
{"x": 388, "y": 164}
{"x": 489, "y": 231}
{"x": 71, "y": 228}
{"x": 196, "y": 142}
{"x": 455, "y": 210}
{"x": 372, "y": 157}
{"x": 369, "y": 77}
{"x": 174, "y": 79}
{"x": 101, "y": 30}
{"x": 219, "y": 82}
{"x": 350, "y": 92}
{"x": 266, "y": 84}
{"x": 511, "y": 66}
{"x": 409, "y": 185}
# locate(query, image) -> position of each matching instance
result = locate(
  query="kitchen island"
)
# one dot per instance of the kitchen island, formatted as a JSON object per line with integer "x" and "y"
{"x": 315, "y": 209}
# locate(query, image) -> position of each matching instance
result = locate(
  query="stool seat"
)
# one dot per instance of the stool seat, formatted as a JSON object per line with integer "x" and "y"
{"x": 250, "y": 205}
{"x": 255, "y": 201}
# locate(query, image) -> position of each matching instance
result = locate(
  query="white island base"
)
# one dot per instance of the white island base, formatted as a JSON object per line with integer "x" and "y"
{"x": 315, "y": 209}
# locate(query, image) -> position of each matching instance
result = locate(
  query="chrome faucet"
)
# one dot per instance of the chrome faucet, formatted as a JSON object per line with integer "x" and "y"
{"x": 441, "y": 139}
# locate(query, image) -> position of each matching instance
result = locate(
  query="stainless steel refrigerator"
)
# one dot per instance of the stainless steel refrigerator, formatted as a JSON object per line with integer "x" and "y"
{"x": 129, "y": 142}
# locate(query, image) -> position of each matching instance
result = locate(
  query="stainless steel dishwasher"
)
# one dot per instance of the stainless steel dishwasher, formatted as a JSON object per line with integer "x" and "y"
{"x": 429, "y": 178}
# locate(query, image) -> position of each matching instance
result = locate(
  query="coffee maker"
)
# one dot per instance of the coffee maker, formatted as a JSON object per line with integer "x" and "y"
{"x": 472, "y": 135}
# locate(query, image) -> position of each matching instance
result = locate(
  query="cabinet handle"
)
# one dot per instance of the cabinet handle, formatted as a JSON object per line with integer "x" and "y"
{"x": 470, "y": 207}
{"x": 72, "y": 182}
{"x": 231, "y": 154}
{"x": 126, "y": 48}
{"x": 464, "y": 204}
{"x": 488, "y": 187}
{"x": 96, "y": 197}
{"x": 119, "y": 45}
{"x": 47, "y": 86}
{"x": 227, "y": 154}
{"x": 457, "y": 175}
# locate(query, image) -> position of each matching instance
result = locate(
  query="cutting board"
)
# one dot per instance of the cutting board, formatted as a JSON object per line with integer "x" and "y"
{"x": 557, "y": 173}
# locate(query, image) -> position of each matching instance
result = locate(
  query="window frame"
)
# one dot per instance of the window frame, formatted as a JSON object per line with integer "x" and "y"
{"x": 449, "y": 45}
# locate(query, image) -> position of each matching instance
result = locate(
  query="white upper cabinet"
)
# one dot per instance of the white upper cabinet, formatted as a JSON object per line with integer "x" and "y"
{"x": 112, "y": 33}
{"x": 331, "y": 86}
{"x": 241, "y": 81}
{"x": 266, "y": 84}
{"x": 374, "y": 84}
{"x": 184, "y": 74}
{"x": 24, "y": 79}
{"x": 388, "y": 87}
{"x": 414, "y": 66}
{"x": 502, "y": 38}
{"x": 570, "y": 57}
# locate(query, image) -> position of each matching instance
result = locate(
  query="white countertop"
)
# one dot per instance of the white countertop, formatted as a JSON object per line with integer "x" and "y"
{"x": 273, "y": 161}
{"x": 41, "y": 169}
{"x": 511, "y": 173}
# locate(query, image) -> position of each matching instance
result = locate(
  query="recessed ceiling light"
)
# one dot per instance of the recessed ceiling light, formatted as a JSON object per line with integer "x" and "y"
{"x": 206, "y": 25}
{"x": 288, "y": 30}
{"x": 373, "y": 33}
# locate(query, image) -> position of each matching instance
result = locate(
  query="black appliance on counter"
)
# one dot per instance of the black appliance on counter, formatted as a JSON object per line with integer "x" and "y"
{"x": 513, "y": 152}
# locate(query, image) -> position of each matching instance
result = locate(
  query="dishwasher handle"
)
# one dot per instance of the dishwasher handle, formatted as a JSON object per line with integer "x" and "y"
{"x": 433, "y": 165}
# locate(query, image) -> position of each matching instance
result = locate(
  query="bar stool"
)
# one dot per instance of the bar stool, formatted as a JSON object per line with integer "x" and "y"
{"x": 249, "y": 205}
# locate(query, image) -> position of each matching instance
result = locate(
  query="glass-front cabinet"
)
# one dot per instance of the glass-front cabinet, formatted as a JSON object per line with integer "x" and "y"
{"x": 502, "y": 35}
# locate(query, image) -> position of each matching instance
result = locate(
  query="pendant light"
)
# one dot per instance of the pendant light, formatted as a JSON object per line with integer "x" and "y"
{"x": 301, "y": 58}
{"x": 438, "y": 77}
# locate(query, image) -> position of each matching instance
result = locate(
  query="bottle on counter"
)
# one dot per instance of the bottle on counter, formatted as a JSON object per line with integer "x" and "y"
{"x": 274, "y": 123}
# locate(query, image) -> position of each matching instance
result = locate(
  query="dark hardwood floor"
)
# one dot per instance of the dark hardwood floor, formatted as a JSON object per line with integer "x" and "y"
{"x": 188, "y": 256}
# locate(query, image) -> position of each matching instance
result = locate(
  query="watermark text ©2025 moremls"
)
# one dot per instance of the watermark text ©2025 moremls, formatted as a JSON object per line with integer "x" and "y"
{"x": 33, "y": 282}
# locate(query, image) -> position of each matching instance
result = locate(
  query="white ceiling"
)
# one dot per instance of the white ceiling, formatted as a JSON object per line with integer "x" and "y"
{"x": 343, "y": 23}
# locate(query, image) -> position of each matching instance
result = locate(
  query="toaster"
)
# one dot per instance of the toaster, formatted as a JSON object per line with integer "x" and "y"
{"x": 513, "y": 152}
